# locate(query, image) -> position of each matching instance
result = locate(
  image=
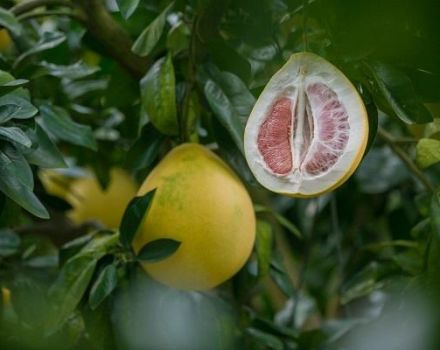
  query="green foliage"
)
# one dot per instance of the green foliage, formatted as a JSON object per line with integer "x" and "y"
{"x": 85, "y": 86}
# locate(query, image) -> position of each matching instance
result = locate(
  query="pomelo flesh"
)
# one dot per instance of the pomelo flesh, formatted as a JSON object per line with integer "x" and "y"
{"x": 308, "y": 130}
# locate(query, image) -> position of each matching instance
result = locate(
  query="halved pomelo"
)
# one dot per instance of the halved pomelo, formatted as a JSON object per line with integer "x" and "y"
{"x": 308, "y": 130}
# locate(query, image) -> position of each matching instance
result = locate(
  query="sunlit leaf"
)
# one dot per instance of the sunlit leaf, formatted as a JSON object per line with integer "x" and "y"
{"x": 428, "y": 152}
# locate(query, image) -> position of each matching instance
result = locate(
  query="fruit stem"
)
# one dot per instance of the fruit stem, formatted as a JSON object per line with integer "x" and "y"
{"x": 391, "y": 141}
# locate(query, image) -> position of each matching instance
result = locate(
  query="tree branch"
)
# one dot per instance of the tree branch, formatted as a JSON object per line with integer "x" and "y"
{"x": 389, "y": 139}
{"x": 114, "y": 39}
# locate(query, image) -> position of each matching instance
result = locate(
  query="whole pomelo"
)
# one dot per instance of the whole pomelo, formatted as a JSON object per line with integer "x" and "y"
{"x": 200, "y": 202}
{"x": 91, "y": 202}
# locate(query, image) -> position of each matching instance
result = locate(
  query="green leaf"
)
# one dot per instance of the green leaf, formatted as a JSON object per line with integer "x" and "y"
{"x": 427, "y": 152}
{"x": 267, "y": 340}
{"x": 127, "y": 7}
{"x": 135, "y": 213}
{"x": 46, "y": 154}
{"x": 8, "y": 20}
{"x": 10, "y": 85}
{"x": 178, "y": 38}
{"x": 9, "y": 242}
{"x": 48, "y": 40}
{"x": 20, "y": 167}
{"x": 11, "y": 186}
{"x": 74, "y": 71}
{"x": 288, "y": 225}
{"x": 81, "y": 88}
{"x": 158, "y": 89}
{"x": 158, "y": 250}
{"x": 263, "y": 247}
{"x": 58, "y": 122}
{"x": 15, "y": 135}
{"x": 435, "y": 213}
{"x": 103, "y": 286}
{"x": 146, "y": 148}
{"x": 16, "y": 106}
{"x": 69, "y": 288}
{"x": 148, "y": 39}
{"x": 397, "y": 90}
{"x": 224, "y": 111}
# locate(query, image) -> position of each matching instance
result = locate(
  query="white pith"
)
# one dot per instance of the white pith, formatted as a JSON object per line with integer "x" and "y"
{"x": 299, "y": 72}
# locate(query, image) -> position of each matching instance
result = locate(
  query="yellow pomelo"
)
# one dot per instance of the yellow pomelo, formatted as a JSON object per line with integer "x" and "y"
{"x": 201, "y": 203}
{"x": 5, "y": 41}
{"x": 55, "y": 183}
{"x": 91, "y": 202}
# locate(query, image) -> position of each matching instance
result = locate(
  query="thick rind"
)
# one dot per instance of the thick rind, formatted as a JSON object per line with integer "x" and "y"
{"x": 313, "y": 68}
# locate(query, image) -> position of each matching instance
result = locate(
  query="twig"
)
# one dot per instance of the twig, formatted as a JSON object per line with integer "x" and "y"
{"x": 27, "y": 6}
{"x": 390, "y": 140}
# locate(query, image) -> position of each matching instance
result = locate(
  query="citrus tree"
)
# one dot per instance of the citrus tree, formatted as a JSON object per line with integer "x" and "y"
{"x": 135, "y": 214}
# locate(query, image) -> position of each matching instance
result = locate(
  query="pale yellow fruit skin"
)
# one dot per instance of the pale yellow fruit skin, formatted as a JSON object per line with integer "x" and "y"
{"x": 55, "y": 183}
{"x": 200, "y": 202}
{"x": 5, "y": 41}
{"x": 91, "y": 202}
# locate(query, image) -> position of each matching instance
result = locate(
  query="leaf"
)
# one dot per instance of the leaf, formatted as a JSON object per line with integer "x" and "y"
{"x": 158, "y": 89}
{"x": 58, "y": 122}
{"x": 81, "y": 88}
{"x": 263, "y": 247}
{"x": 15, "y": 106}
{"x": 8, "y": 20}
{"x": 289, "y": 226}
{"x": 267, "y": 340}
{"x": 69, "y": 288}
{"x": 435, "y": 213}
{"x": 280, "y": 276}
{"x": 48, "y": 40}
{"x": 148, "y": 39}
{"x": 20, "y": 167}
{"x": 224, "y": 111}
{"x": 127, "y": 7}
{"x": 146, "y": 148}
{"x": 158, "y": 250}
{"x": 9, "y": 242}
{"x": 11, "y": 85}
{"x": 15, "y": 135}
{"x": 11, "y": 186}
{"x": 135, "y": 213}
{"x": 74, "y": 71}
{"x": 397, "y": 90}
{"x": 427, "y": 152}
{"x": 46, "y": 154}
{"x": 103, "y": 286}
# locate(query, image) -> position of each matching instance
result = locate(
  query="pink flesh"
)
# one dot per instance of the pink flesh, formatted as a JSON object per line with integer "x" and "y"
{"x": 332, "y": 125}
{"x": 274, "y": 137}
{"x": 317, "y": 154}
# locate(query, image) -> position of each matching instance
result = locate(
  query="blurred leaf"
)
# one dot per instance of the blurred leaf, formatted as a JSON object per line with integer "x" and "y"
{"x": 11, "y": 186}
{"x": 74, "y": 71}
{"x": 20, "y": 167}
{"x": 15, "y": 135}
{"x": 268, "y": 341}
{"x": 15, "y": 106}
{"x": 46, "y": 155}
{"x": 178, "y": 38}
{"x": 58, "y": 122}
{"x": 8, "y": 20}
{"x": 146, "y": 148}
{"x": 263, "y": 247}
{"x": 11, "y": 85}
{"x": 224, "y": 111}
{"x": 428, "y": 152}
{"x": 9, "y": 242}
{"x": 396, "y": 88}
{"x": 136, "y": 212}
{"x": 158, "y": 89}
{"x": 280, "y": 276}
{"x": 127, "y": 7}
{"x": 148, "y": 39}
{"x": 435, "y": 213}
{"x": 48, "y": 40}
{"x": 81, "y": 88}
{"x": 158, "y": 250}
{"x": 289, "y": 226}
{"x": 69, "y": 288}
{"x": 103, "y": 286}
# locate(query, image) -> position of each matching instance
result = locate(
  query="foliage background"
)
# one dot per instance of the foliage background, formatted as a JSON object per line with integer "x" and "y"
{"x": 98, "y": 84}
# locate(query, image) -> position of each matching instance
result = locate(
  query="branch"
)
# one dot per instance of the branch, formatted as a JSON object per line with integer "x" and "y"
{"x": 390, "y": 140}
{"x": 112, "y": 36}
{"x": 33, "y": 4}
